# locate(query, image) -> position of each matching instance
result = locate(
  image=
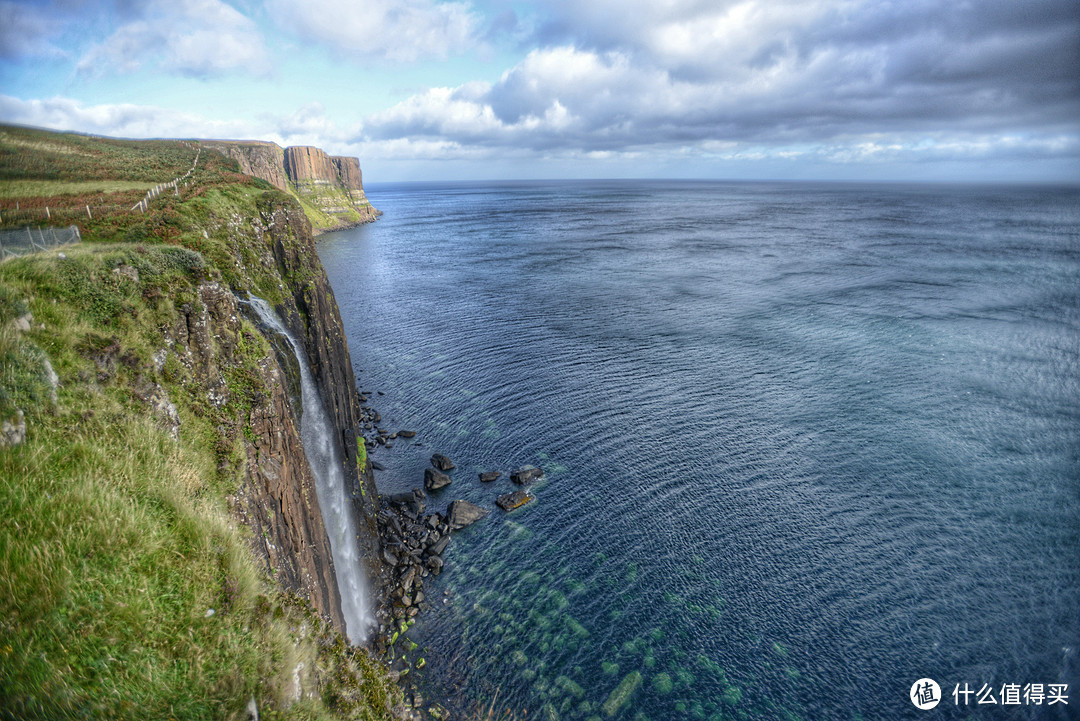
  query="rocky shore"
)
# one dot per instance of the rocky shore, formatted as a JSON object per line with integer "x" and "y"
{"x": 415, "y": 540}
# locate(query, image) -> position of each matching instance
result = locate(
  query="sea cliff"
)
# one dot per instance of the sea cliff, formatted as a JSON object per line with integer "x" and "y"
{"x": 164, "y": 551}
{"x": 330, "y": 188}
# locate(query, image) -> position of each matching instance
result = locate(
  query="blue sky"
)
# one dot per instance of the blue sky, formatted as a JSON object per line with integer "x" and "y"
{"x": 983, "y": 90}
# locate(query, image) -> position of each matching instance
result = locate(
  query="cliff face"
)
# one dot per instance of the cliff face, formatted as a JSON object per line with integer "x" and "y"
{"x": 311, "y": 313}
{"x": 256, "y": 158}
{"x": 277, "y": 498}
{"x": 348, "y": 172}
{"x": 330, "y": 188}
{"x": 330, "y": 183}
{"x": 159, "y": 475}
{"x": 306, "y": 163}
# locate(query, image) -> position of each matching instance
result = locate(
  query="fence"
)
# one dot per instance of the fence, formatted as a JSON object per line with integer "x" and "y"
{"x": 14, "y": 243}
{"x": 154, "y": 192}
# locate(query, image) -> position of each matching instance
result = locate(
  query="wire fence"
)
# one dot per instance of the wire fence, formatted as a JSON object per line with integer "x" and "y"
{"x": 68, "y": 212}
{"x": 23, "y": 241}
{"x": 157, "y": 190}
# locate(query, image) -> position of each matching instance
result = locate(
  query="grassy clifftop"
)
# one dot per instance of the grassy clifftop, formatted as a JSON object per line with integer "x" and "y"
{"x": 136, "y": 402}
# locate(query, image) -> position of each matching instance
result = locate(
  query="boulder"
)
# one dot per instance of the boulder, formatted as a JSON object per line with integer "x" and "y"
{"x": 442, "y": 462}
{"x": 434, "y": 479}
{"x": 490, "y": 476}
{"x": 406, "y": 434}
{"x": 462, "y": 513}
{"x": 510, "y": 501}
{"x": 440, "y": 546}
{"x": 526, "y": 474}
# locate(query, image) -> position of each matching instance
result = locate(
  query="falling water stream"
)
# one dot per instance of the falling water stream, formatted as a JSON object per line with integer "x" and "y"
{"x": 323, "y": 454}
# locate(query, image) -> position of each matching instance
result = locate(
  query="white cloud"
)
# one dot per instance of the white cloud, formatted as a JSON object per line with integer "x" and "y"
{"x": 122, "y": 120}
{"x": 391, "y": 30}
{"x": 195, "y": 37}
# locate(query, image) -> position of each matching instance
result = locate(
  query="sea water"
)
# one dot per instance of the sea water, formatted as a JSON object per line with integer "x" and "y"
{"x": 804, "y": 444}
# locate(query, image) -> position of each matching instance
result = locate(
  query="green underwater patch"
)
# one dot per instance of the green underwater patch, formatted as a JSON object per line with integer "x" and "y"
{"x": 621, "y": 695}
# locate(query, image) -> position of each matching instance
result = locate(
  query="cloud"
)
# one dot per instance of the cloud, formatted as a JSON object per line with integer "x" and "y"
{"x": 388, "y": 30}
{"x": 636, "y": 74}
{"x": 198, "y": 38}
{"x": 26, "y": 31}
{"x": 122, "y": 120}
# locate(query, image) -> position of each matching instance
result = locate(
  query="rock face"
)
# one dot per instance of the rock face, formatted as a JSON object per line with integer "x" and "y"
{"x": 311, "y": 314}
{"x": 332, "y": 185}
{"x": 276, "y": 497}
{"x": 462, "y": 513}
{"x": 260, "y": 159}
{"x": 304, "y": 162}
{"x": 348, "y": 172}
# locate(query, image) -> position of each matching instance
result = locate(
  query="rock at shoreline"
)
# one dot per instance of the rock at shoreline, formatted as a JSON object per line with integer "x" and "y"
{"x": 433, "y": 479}
{"x": 406, "y": 434}
{"x": 526, "y": 474}
{"x": 416, "y": 500}
{"x": 375, "y": 465}
{"x": 490, "y": 476}
{"x": 442, "y": 462}
{"x": 510, "y": 501}
{"x": 462, "y": 513}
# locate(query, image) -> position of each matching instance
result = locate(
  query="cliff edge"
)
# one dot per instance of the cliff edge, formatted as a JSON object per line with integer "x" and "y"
{"x": 330, "y": 188}
{"x": 165, "y": 548}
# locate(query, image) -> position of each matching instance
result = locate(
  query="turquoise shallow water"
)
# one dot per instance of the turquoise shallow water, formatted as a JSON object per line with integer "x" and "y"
{"x": 804, "y": 444}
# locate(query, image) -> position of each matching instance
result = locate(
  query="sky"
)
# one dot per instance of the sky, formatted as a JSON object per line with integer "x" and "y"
{"x": 907, "y": 90}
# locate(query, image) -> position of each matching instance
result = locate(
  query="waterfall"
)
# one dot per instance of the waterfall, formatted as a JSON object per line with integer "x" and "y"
{"x": 323, "y": 453}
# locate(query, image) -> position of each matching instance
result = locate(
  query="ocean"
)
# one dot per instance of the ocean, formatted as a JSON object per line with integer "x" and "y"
{"x": 804, "y": 444}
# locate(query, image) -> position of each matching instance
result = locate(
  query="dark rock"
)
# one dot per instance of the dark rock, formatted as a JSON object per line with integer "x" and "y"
{"x": 407, "y": 434}
{"x": 526, "y": 474}
{"x": 510, "y": 501}
{"x": 440, "y": 546}
{"x": 462, "y": 513}
{"x": 442, "y": 462}
{"x": 434, "y": 479}
{"x": 390, "y": 558}
{"x": 402, "y": 499}
{"x": 490, "y": 476}
{"x": 377, "y": 466}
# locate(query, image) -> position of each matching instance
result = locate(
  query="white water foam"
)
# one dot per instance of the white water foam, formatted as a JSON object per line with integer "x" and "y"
{"x": 324, "y": 455}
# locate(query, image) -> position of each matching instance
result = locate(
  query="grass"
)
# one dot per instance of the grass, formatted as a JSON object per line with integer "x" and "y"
{"x": 54, "y": 188}
{"x": 118, "y": 540}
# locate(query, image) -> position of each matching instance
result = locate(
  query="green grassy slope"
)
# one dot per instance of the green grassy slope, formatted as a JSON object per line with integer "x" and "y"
{"x": 127, "y": 587}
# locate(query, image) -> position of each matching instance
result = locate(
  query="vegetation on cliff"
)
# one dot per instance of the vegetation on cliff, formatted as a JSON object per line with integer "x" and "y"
{"x": 149, "y": 422}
